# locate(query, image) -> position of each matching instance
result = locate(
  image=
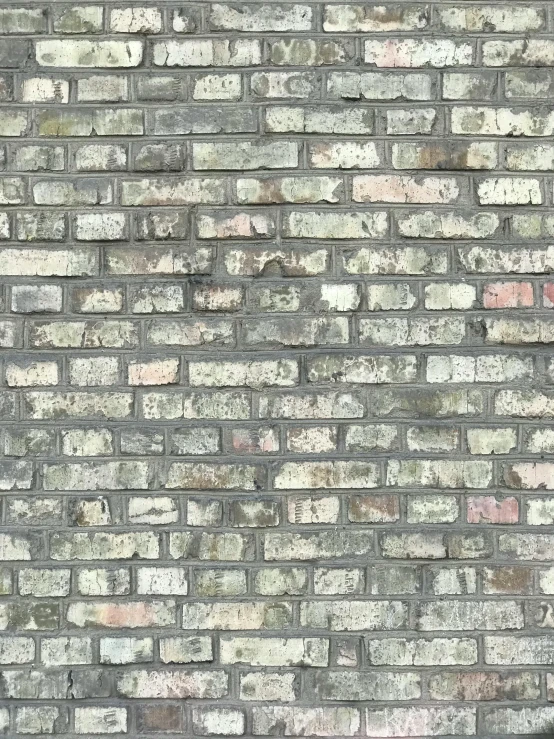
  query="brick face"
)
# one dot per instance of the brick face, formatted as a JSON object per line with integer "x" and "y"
{"x": 276, "y": 385}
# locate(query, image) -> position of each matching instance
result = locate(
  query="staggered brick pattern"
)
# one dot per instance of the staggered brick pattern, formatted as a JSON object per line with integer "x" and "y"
{"x": 277, "y": 385}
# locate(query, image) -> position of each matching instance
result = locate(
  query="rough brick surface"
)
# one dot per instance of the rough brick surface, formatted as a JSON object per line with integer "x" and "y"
{"x": 276, "y": 374}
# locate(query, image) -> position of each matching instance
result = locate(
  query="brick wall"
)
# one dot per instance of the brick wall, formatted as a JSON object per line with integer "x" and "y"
{"x": 276, "y": 371}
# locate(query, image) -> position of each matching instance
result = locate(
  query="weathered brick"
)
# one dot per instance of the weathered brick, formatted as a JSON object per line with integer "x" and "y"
{"x": 491, "y": 19}
{"x": 325, "y": 545}
{"x": 389, "y": 722}
{"x": 44, "y": 583}
{"x": 433, "y": 473}
{"x": 199, "y": 119}
{"x": 245, "y": 155}
{"x": 501, "y": 121}
{"x": 218, "y": 87}
{"x": 210, "y": 721}
{"x": 455, "y": 155}
{"x": 100, "y": 227}
{"x": 435, "y": 225}
{"x": 13, "y": 122}
{"x": 353, "y": 615}
{"x": 104, "y": 89}
{"x": 337, "y": 581}
{"x": 464, "y": 86}
{"x": 51, "y": 405}
{"x": 536, "y": 53}
{"x": 37, "y": 159}
{"x": 100, "y": 157}
{"x": 410, "y": 332}
{"x": 411, "y": 260}
{"x": 70, "y": 53}
{"x": 206, "y": 52}
{"x": 296, "y": 332}
{"x": 23, "y": 20}
{"x": 15, "y": 475}
{"x": 103, "y": 546}
{"x": 231, "y": 616}
{"x": 96, "y": 720}
{"x": 283, "y": 85}
{"x": 125, "y": 650}
{"x": 343, "y": 155}
{"x": 133, "y": 615}
{"x": 484, "y": 686}
{"x": 196, "y": 405}
{"x": 277, "y": 686}
{"x": 281, "y": 581}
{"x": 314, "y": 440}
{"x": 366, "y": 370}
{"x": 355, "y": 225}
{"x": 459, "y": 615}
{"x": 83, "y": 192}
{"x": 135, "y": 20}
{"x": 211, "y": 546}
{"x": 187, "y": 475}
{"x": 32, "y": 375}
{"x": 289, "y": 190}
{"x": 66, "y": 651}
{"x": 309, "y": 52}
{"x": 184, "y": 649}
{"x": 396, "y": 189}
{"x": 491, "y": 441}
{"x": 325, "y": 721}
{"x": 445, "y": 296}
{"x": 220, "y": 582}
{"x": 379, "y": 86}
{"x": 328, "y": 119}
{"x": 163, "y": 192}
{"x": 172, "y": 684}
{"x": 78, "y": 19}
{"x": 355, "y": 18}
{"x": 103, "y": 582}
{"x": 509, "y": 191}
{"x": 484, "y": 259}
{"x": 34, "y": 719}
{"x": 260, "y": 18}
{"x": 164, "y": 298}
{"x": 274, "y": 652}
{"x": 422, "y": 651}
{"x": 348, "y": 685}
{"x": 534, "y": 83}
{"x": 418, "y": 53}
{"x": 518, "y": 721}
{"x": 487, "y": 509}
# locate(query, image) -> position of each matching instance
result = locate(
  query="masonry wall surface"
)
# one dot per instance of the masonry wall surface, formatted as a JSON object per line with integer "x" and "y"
{"x": 277, "y": 386}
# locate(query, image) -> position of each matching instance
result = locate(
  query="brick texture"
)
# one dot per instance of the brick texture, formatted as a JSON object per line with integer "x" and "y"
{"x": 276, "y": 372}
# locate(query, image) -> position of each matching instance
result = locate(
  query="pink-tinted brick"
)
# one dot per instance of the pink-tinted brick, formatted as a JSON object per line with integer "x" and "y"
{"x": 157, "y": 372}
{"x": 548, "y": 294}
{"x": 254, "y": 441}
{"x": 488, "y": 509}
{"x": 508, "y": 295}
